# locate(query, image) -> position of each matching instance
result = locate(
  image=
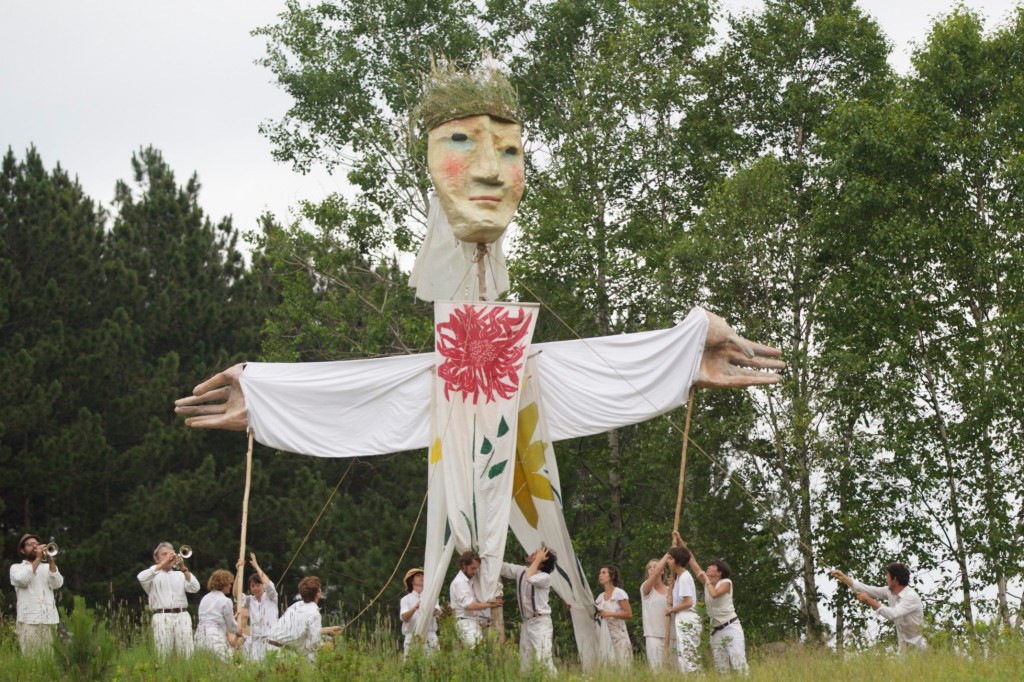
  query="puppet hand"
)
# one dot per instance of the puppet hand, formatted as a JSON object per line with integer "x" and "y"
{"x": 231, "y": 414}
{"x": 730, "y": 361}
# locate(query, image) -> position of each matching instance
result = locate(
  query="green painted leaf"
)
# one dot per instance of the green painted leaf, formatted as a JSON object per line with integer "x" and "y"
{"x": 497, "y": 469}
{"x": 486, "y": 447}
{"x": 502, "y": 428}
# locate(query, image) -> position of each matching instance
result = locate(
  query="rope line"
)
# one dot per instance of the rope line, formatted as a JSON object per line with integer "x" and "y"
{"x": 315, "y": 522}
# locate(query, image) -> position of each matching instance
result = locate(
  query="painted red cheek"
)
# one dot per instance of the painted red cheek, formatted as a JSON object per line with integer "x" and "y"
{"x": 454, "y": 168}
{"x": 518, "y": 180}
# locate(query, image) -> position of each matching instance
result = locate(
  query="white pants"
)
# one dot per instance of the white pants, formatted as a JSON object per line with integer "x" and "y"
{"x": 213, "y": 638}
{"x": 172, "y": 633}
{"x": 535, "y": 642}
{"x": 255, "y": 648}
{"x": 430, "y": 643}
{"x": 470, "y": 631}
{"x": 729, "y": 649}
{"x": 34, "y": 638}
{"x": 687, "y": 626}
{"x": 656, "y": 653}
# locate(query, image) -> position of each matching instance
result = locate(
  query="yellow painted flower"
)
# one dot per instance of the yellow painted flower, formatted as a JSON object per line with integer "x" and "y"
{"x": 529, "y": 481}
{"x": 435, "y": 451}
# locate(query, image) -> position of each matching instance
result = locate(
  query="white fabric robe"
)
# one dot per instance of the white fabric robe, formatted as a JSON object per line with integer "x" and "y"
{"x": 574, "y": 389}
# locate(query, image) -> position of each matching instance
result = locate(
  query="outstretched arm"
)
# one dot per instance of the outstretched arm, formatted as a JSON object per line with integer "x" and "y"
{"x": 205, "y": 412}
{"x": 731, "y": 361}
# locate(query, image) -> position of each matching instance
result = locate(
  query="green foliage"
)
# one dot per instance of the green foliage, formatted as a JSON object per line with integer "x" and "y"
{"x": 89, "y": 651}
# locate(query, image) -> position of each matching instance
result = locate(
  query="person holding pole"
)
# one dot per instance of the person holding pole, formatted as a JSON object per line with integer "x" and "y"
{"x": 654, "y": 605}
{"x": 261, "y": 602}
{"x": 472, "y": 614}
{"x": 728, "y": 645}
{"x": 686, "y": 623}
{"x": 905, "y": 609}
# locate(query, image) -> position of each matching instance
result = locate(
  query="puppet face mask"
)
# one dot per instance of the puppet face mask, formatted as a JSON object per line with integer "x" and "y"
{"x": 476, "y": 164}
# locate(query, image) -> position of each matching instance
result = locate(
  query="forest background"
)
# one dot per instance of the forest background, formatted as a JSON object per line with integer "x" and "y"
{"x": 866, "y": 223}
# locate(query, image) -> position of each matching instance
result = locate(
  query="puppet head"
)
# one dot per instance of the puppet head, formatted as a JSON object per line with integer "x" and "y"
{"x": 474, "y": 150}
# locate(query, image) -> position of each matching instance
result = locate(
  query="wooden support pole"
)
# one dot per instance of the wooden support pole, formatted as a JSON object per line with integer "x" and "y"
{"x": 239, "y": 583}
{"x": 481, "y": 271}
{"x": 669, "y": 629}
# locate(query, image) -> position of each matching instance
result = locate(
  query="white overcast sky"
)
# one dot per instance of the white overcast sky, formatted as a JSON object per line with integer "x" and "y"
{"x": 90, "y": 82}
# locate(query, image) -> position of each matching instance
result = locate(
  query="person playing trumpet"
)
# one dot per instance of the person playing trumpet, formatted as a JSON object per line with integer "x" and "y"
{"x": 37, "y": 612}
{"x": 167, "y": 588}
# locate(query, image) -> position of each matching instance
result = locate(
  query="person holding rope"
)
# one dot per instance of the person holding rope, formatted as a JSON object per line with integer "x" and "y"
{"x": 218, "y": 619}
{"x": 613, "y": 610}
{"x": 261, "y": 603}
{"x": 409, "y": 613}
{"x": 653, "y": 608}
{"x": 167, "y": 584}
{"x": 905, "y": 608}
{"x": 728, "y": 645}
{"x": 533, "y": 588}
{"x": 473, "y": 615}
{"x": 685, "y": 621}
{"x": 37, "y": 611}
{"x": 300, "y": 629}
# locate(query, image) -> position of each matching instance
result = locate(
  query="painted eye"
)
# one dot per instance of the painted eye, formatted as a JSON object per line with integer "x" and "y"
{"x": 459, "y": 137}
{"x": 512, "y": 151}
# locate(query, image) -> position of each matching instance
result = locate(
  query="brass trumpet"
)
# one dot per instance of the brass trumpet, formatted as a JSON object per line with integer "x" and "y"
{"x": 184, "y": 552}
{"x": 50, "y": 550}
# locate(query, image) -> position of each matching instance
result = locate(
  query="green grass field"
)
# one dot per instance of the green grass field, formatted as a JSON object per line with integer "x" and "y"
{"x": 118, "y": 648}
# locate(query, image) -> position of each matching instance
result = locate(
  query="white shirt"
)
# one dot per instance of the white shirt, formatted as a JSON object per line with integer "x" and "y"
{"x": 462, "y": 595}
{"x": 720, "y": 609}
{"x": 262, "y": 612}
{"x": 408, "y": 601}
{"x": 652, "y": 607}
{"x": 299, "y": 628}
{"x": 35, "y": 593}
{"x": 216, "y": 609}
{"x": 684, "y": 587}
{"x": 905, "y": 610}
{"x": 166, "y": 589}
{"x": 533, "y": 592}
{"x": 618, "y": 594}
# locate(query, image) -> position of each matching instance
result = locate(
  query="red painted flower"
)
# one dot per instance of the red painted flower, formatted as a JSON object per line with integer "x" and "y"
{"x": 482, "y": 351}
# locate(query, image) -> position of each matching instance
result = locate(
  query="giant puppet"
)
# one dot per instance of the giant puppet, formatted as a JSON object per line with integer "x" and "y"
{"x": 488, "y": 403}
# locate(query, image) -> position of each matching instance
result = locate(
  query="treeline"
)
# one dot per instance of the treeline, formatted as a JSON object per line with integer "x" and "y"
{"x": 779, "y": 173}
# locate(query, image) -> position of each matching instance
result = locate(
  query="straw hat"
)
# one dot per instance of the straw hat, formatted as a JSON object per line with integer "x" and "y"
{"x": 24, "y": 539}
{"x": 409, "y": 576}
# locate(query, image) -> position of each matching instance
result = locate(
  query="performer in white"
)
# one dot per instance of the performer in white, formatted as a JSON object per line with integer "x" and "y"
{"x": 166, "y": 583}
{"x": 728, "y": 645}
{"x": 471, "y": 613}
{"x": 613, "y": 610}
{"x": 533, "y": 590}
{"x": 409, "y": 613}
{"x": 37, "y": 611}
{"x": 905, "y": 608}
{"x": 464, "y": 401}
{"x": 300, "y": 629}
{"x": 261, "y": 603}
{"x": 653, "y": 608}
{"x": 217, "y": 618}
{"x": 686, "y": 622}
